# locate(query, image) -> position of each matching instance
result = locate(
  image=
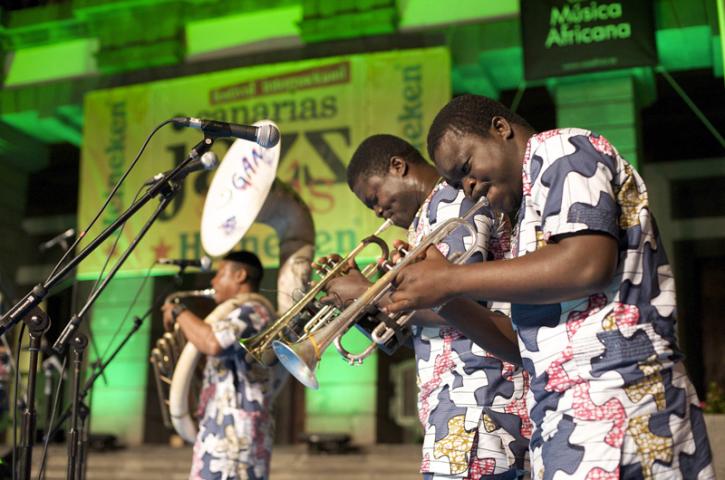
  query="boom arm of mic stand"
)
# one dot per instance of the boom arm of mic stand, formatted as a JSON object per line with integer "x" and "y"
{"x": 72, "y": 326}
{"x": 36, "y": 295}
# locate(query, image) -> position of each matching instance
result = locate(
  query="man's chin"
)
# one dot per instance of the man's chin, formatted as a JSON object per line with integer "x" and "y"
{"x": 401, "y": 223}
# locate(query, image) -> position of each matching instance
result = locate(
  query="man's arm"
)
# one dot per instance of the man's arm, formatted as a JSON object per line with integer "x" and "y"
{"x": 196, "y": 331}
{"x": 491, "y": 331}
{"x": 574, "y": 267}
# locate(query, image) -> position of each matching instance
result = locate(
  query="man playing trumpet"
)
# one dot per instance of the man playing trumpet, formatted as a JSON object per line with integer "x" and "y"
{"x": 592, "y": 293}
{"x": 470, "y": 403}
{"x": 235, "y": 428}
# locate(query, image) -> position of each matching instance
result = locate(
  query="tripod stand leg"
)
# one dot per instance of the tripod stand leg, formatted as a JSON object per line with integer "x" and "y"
{"x": 38, "y": 322}
{"x": 79, "y": 344}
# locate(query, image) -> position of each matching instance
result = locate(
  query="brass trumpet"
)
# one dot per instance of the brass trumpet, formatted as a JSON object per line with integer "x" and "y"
{"x": 302, "y": 357}
{"x": 307, "y": 315}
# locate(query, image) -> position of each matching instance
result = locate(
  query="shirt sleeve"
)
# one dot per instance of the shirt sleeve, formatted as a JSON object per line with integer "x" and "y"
{"x": 460, "y": 240}
{"x": 573, "y": 191}
{"x": 243, "y": 322}
{"x": 493, "y": 234}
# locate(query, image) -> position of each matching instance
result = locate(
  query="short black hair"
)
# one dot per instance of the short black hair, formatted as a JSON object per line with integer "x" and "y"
{"x": 372, "y": 156}
{"x": 251, "y": 264}
{"x": 469, "y": 114}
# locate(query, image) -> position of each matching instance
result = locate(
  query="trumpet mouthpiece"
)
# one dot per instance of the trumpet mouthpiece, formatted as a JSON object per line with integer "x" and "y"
{"x": 387, "y": 224}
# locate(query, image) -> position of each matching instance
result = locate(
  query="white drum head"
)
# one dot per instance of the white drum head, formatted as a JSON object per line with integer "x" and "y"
{"x": 237, "y": 193}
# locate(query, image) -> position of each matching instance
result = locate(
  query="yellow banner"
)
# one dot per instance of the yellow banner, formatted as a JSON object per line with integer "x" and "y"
{"x": 324, "y": 108}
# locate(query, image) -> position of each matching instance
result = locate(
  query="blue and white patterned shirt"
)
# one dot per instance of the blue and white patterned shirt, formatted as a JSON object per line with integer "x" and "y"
{"x": 609, "y": 395}
{"x": 236, "y": 427}
{"x": 470, "y": 403}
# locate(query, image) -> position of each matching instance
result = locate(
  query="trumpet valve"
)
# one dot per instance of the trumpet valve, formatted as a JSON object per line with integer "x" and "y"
{"x": 330, "y": 264}
{"x": 386, "y": 265}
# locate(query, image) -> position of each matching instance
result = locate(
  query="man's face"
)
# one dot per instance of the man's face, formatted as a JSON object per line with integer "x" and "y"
{"x": 390, "y": 197}
{"x": 226, "y": 281}
{"x": 481, "y": 166}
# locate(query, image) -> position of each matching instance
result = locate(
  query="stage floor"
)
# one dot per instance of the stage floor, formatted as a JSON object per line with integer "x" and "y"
{"x": 289, "y": 462}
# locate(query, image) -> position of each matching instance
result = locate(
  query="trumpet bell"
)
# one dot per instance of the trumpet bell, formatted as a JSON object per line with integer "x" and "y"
{"x": 300, "y": 360}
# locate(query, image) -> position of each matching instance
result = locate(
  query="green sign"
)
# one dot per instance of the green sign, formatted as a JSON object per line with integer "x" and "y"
{"x": 564, "y": 37}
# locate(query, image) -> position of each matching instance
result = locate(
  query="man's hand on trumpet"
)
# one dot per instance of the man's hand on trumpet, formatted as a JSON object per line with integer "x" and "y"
{"x": 343, "y": 289}
{"x": 423, "y": 284}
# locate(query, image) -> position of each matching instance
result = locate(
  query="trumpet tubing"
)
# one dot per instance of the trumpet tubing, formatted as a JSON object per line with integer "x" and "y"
{"x": 259, "y": 347}
{"x": 302, "y": 357}
{"x": 177, "y": 296}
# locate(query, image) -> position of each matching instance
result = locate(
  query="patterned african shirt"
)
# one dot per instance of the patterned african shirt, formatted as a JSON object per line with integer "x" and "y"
{"x": 471, "y": 404}
{"x": 236, "y": 427}
{"x": 609, "y": 394}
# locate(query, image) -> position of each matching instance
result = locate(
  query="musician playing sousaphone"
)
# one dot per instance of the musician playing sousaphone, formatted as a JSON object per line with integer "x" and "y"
{"x": 235, "y": 431}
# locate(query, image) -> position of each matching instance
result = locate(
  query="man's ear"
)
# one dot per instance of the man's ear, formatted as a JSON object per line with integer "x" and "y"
{"x": 240, "y": 275}
{"x": 397, "y": 166}
{"x": 502, "y": 127}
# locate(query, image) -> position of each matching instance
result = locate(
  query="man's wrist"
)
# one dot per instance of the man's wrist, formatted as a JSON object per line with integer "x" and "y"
{"x": 450, "y": 282}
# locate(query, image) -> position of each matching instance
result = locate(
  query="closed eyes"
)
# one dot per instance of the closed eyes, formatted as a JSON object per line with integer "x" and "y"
{"x": 466, "y": 167}
{"x": 463, "y": 170}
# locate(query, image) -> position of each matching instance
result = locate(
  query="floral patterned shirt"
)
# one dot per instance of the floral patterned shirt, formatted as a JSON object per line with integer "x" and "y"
{"x": 609, "y": 395}
{"x": 470, "y": 403}
{"x": 236, "y": 427}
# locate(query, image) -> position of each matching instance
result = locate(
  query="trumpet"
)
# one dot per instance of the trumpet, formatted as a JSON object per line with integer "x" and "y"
{"x": 307, "y": 315}
{"x": 302, "y": 357}
{"x": 177, "y": 296}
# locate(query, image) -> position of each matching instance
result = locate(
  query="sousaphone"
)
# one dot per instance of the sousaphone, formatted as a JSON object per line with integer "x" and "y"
{"x": 245, "y": 190}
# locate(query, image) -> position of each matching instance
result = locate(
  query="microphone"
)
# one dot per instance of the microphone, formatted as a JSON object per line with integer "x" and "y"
{"x": 58, "y": 239}
{"x": 203, "y": 263}
{"x": 206, "y": 162}
{"x": 266, "y": 136}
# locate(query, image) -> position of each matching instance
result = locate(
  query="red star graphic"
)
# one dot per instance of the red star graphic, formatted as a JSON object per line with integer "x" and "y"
{"x": 161, "y": 250}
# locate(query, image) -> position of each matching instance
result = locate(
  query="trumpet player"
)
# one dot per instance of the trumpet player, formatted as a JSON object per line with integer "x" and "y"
{"x": 235, "y": 427}
{"x": 471, "y": 404}
{"x": 592, "y": 292}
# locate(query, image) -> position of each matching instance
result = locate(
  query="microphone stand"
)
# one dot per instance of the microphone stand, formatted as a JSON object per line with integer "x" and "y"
{"x": 38, "y": 323}
{"x": 75, "y": 321}
{"x": 79, "y": 345}
{"x": 79, "y": 400}
{"x": 164, "y": 187}
{"x": 102, "y": 367}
